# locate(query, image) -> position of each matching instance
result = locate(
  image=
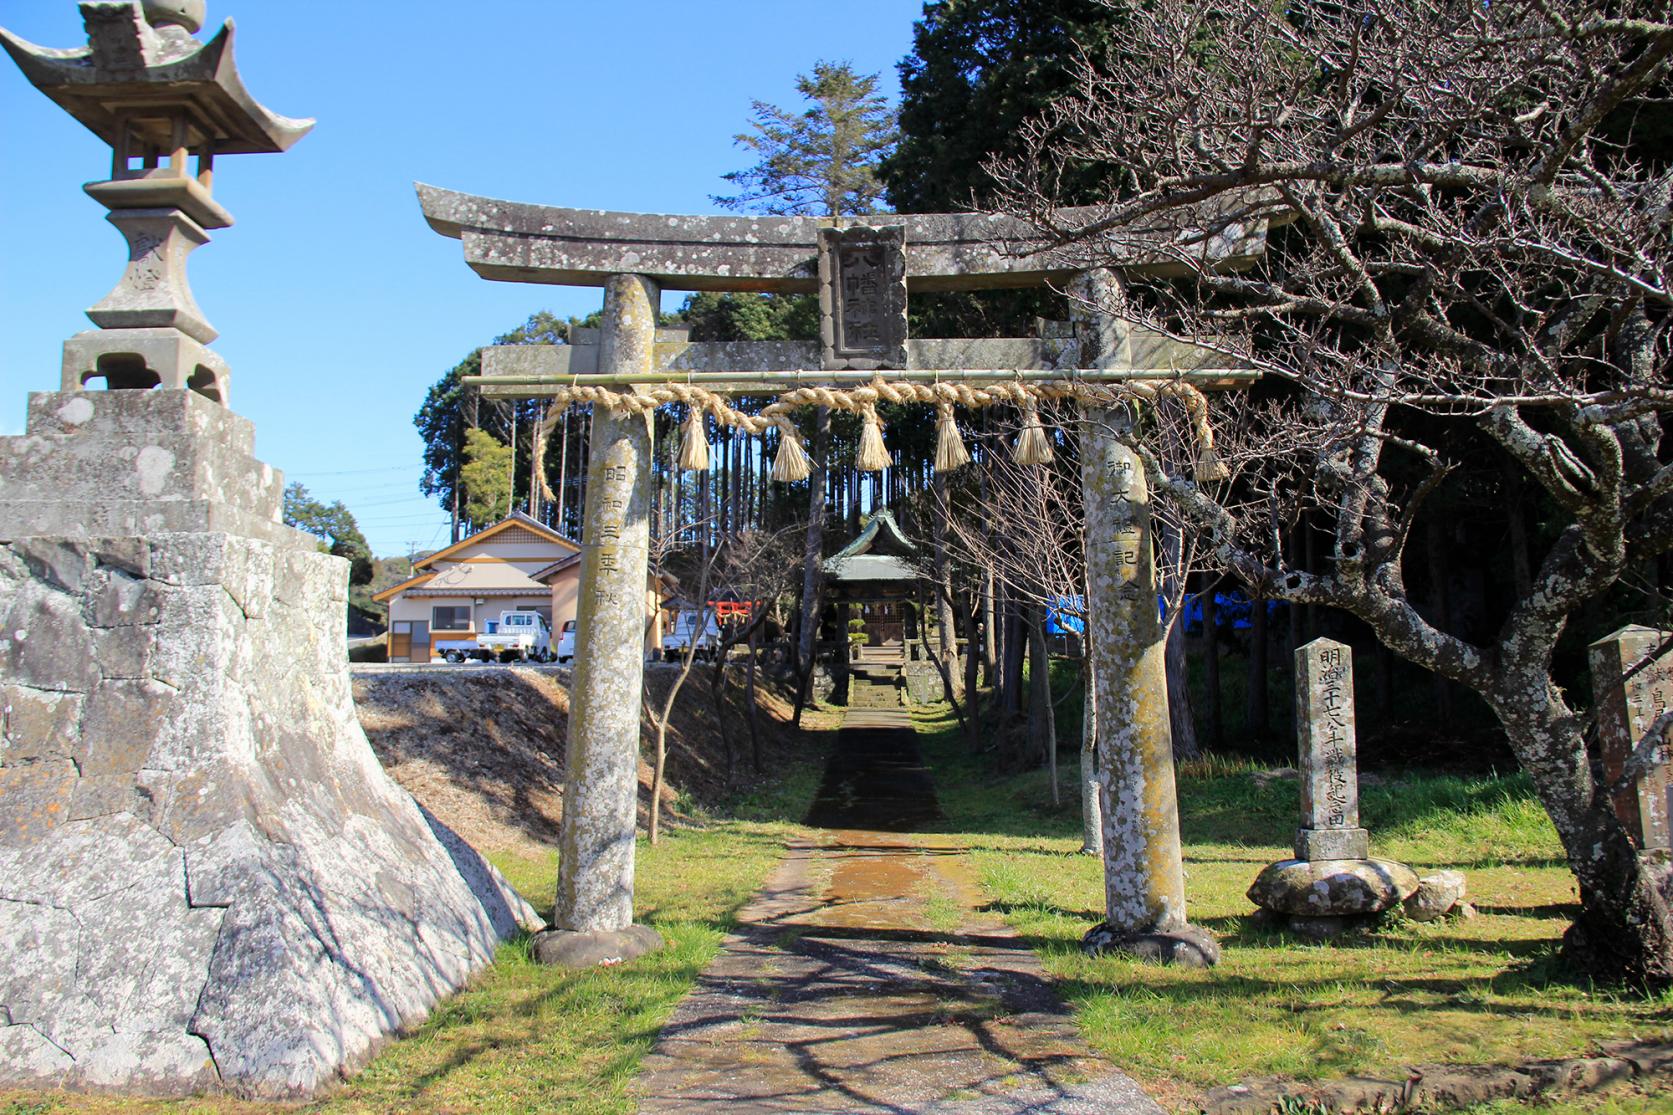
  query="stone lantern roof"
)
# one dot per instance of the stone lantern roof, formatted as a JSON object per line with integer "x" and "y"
{"x": 134, "y": 78}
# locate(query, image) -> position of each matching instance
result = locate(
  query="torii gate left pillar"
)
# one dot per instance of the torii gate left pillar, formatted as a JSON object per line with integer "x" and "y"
{"x": 594, "y": 911}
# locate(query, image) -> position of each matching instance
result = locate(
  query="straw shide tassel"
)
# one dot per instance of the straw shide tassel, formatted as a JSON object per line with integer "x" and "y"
{"x": 791, "y": 463}
{"x": 1210, "y": 468}
{"x": 950, "y": 452}
{"x": 1033, "y": 445}
{"x": 873, "y": 457}
{"x": 694, "y": 442}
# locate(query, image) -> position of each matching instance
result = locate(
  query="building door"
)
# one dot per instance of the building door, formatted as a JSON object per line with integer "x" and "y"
{"x": 400, "y": 641}
{"x": 420, "y": 641}
{"x": 883, "y": 624}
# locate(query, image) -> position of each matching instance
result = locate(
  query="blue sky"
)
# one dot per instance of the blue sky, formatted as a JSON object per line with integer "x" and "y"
{"x": 337, "y": 305}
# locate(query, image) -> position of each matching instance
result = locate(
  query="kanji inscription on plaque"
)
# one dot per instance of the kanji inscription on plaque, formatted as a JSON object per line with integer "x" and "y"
{"x": 862, "y": 297}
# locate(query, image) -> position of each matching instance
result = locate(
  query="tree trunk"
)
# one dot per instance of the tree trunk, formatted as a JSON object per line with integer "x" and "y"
{"x": 1258, "y": 716}
{"x": 943, "y": 666}
{"x": 1091, "y": 821}
{"x": 990, "y": 637}
{"x": 972, "y": 695}
{"x": 749, "y": 708}
{"x": 1183, "y": 723}
{"x": 1042, "y": 716}
{"x": 1211, "y": 662}
{"x": 946, "y": 626}
{"x": 1624, "y": 931}
{"x": 1012, "y": 652}
{"x": 813, "y": 552}
{"x": 1295, "y": 612}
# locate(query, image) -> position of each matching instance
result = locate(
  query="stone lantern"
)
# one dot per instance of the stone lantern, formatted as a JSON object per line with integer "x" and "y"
{"x": 207, "y": 882}
{"x": 167, "y": 104}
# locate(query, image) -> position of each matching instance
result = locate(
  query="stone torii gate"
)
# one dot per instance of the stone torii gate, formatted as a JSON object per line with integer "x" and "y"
{"x": 864, "y": 271}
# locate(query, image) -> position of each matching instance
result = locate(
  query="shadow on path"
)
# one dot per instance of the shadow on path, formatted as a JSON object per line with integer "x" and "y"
{"x": 876, "y": 779}
{"x": 865, "y": 977}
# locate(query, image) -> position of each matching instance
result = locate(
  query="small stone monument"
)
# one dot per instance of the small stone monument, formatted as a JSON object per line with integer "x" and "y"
{"x": 206, "y": 879}
{"x": 1632, "y": 678}
{"x": 1333, "y": 883}
{"x": 1324, "y": 718}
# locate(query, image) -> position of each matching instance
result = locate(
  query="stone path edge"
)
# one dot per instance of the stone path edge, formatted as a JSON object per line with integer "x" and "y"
{"x": 1450, "y": 1087}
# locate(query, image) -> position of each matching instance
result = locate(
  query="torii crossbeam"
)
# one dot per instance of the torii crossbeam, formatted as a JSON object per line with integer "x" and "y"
{"x": 864, "y": 271}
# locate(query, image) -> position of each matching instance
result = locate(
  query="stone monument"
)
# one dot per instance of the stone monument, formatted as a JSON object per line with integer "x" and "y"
{"x": 206, "y": 879}
{"x": 1332, "y": 884}
{"x": 1632, "y": 679}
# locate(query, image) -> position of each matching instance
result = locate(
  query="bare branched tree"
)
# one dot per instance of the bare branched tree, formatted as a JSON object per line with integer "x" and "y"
{"x": 1467, "y": 259}
{"x": 1025, "y": 525}
{"x": 666, "y": 550}
{"x": 753, "y": 567}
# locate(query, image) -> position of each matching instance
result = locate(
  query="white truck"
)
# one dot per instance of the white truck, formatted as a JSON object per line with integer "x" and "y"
{"x": 686, "y": 630}
{"x": 514, "y": 637}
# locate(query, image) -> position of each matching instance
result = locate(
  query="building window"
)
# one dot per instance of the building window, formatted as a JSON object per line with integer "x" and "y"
{"x": 450, "y": 619}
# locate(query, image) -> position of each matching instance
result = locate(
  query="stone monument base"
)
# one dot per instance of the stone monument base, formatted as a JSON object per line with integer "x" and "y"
{"x": 1325, "y": 898}
{"x": 206, "y": 879}
{"x": 1190, "y": 946}
{"x": 564, "y": 948}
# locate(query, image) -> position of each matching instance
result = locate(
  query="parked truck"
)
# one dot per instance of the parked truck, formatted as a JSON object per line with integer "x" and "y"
{"x": 514, "y": 637}
{"x": 692, "y": 625}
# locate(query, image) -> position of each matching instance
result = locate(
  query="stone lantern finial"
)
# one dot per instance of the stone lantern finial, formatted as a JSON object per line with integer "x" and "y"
{"x": 175, "y": 13}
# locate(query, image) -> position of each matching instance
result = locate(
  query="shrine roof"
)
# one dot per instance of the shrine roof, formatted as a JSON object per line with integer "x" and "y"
{"x": 882, "y": 552}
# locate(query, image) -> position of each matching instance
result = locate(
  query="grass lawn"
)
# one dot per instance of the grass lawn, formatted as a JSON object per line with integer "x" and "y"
{"x": 1481, "y": 990}
{"x": 527, "y": 1038}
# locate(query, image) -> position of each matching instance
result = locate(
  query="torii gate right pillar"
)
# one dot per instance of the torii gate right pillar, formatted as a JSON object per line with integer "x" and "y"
{"x": 1144, "y": 877}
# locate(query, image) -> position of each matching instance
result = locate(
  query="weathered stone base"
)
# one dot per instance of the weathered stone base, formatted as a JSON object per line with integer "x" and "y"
{"x": 923, "y": 683}
{"x": 563, "y": 948}
{"x": 206, "y": 879}
{"x": 1333, "y": 888}
{"x": 1190, "y": 946}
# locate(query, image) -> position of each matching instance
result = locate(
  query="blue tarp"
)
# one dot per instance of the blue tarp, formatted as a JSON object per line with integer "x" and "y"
{"x": 1065, "y": 613}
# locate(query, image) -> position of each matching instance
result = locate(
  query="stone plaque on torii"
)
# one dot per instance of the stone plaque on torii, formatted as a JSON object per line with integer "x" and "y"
{"x": 863, "y": 271}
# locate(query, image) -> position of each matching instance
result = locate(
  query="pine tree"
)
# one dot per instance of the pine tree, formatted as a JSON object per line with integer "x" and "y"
{"x": 823, "y": 160}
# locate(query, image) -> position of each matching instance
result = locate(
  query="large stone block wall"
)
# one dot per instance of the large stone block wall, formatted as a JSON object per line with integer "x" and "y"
{"x": 206, "y": 879}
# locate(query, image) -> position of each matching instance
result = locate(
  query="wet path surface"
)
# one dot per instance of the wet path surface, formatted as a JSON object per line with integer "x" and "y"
{"x": 866, "y": 978}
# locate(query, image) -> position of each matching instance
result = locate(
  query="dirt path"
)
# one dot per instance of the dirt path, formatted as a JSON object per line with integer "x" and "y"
{"x": 866, "y": 978}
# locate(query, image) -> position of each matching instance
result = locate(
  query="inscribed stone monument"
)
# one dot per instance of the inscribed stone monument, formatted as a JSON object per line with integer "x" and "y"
{"x": 1333, "y": 884}
{"x": 1632, "y": 677}
{"x": 1324, "y": 719}
{"x": 206, "y": 879}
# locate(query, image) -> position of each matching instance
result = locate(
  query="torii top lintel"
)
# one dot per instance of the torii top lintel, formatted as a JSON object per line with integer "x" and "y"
{"x": 524, "y": 243}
